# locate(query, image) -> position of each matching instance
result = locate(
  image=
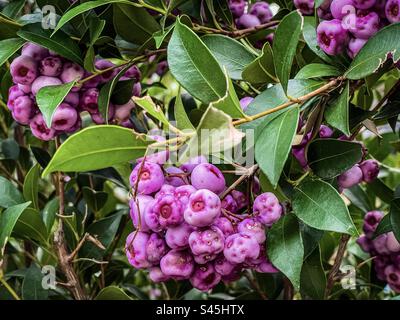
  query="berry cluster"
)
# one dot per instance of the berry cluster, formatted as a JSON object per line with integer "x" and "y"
{"x": 365, "y": 171}
{"x": 348, "y": 24}
{"x": 38, "y": 67}
{"x": 187, "y": 228}
{"x": 385, "y": 249}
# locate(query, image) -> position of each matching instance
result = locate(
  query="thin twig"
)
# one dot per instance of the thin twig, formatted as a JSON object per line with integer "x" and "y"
{"x": 9, "y": 289}
{"x": 255, "y": 286}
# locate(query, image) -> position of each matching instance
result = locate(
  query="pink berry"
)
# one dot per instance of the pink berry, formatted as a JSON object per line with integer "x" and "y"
{"x": 71, "y": 72}
{"x": 237, "y": 7}
{"x": 98, "y": 117}
{"x": 13, "y": 93}
{"x": 192, "y": 163}
{"x": 364, "y": 4}
{"x": 152, "y": 218}
{"x": 103, "y": 65}
{"x": 136, "y": 249}
{"x": 89, "y": 100}
{"x": 355, "y": 45}
{"x": 178, "y": 237}
{"x": 240, "y": 198}
{"x": 165, "y": 189}
{"x": 50, "y": 67}
{"x": 203, "y": 208}
{"x": 72, "y": 99}
{"x": 239, "y": 247}
{"x": 371, "y": 221}
{"x": 44, "y": 81}
{"x": 392, "y": 275}
{"x": 64, "y": 118}
{"x": 132, "y": 73}
{"x": 229, "y": 203}
{"x": 148, "y": 177}
{"x": 341, "y": 8}
{"x": 365, "y": 243}
{"x": 366, "y": 25}
{"x": 204, "y": 277}
{"x": 138, "y": 206}
{"x": 177, "y": 264}
{"x": 169, "y": 210}
{"x": 23, "y": 110}
{"x": 156, "y": 248}
{"x": 34, "y": 51}
{"x": 247, "y": 21}
{"x": 392, "y": 243}
{"x": 380, "y": 244}
{"x": 123, "y": 112}
{"x": 392, "y": 10}
{"x": 325, "y": 132}
{"x": 183, "y": 193}
{"x": 207, "y": 241}
{"x": 208, "y": 176}
{"x": 225, "y": 225}
{"x": 350, "y": 178}
{"x": 26, "y": 88}
{"x": 223, "y": 266}
{"x": 332, "y": 37}
{"x": 268, "y": 207}
{"x": 156, "y": 275}
{"x": 252, "y": 227}
{"x": 306, "y": 7}
{"x": 24, "y": 70}
{"x": 262, "y": 11}
{"x": 40, "y": 130}
{"x": 370, "y": 170}
{"x": 175, "y": 176}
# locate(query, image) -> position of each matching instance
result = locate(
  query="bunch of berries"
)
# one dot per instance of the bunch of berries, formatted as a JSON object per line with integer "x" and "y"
{"x": 348, "y": 24}
{"x": 37, "y": 67}
{"x": 189, "y": 227}
{"x": 385, "y": 249}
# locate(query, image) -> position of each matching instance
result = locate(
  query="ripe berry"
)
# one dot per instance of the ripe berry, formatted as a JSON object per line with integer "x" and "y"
{"x": 341, "y": 8}
{"x": 252, "y": 227}
{"x": 262, "y": 11}
{"x": 177, "y": 264}
{"x": 208, "y": 176}
{"x": 169, "y": 210}
{"x": 392, "y": 10}
{"x": 50, "y": 66}
{"x": 239, "y": 247}
{"x": 23, "y": 109}
{"x": 331, "y": 36}
{"x": 64, "y": 117}
{"x": 156, "y": 248}
{"x": 24, "y": 70}
{"x": 207, "y": 241}
{"x": 268, "y": 207}
{"x": 34, "y": 51}
{"x": 40, "y": 130}
{"x": 350, "y": 178}
{"x": 43, "y": 81}
{"x": 203, "y": 208}
{"x": 138, "y": 205}
{"x": 306, "y": 7}
{"x": 204, "y": 277}
{"x": 247, "y": 21}
{"x": 178, "y": 237}
{"x": 136, "y": 249}
{"x": 370, "y": 170}
{"x": 148, "y": 177}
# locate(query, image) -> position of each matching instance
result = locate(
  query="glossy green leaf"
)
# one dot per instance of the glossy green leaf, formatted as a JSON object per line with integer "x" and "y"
{"x": 12, "y": 9}
{"x": 182, "y": 120}
{"x": 313, "y": 279}
{"x": 49, "y": 212}
{"x": 30, "y": 225}
{"x": 337, "y": 113}
{"x": 395, "y": 217}
{"x": 194, "y": 67}
{"x": 384, "y": 226}
{"x": 358, "y": 198}
{"x": 274, "y": 143}
{"x": 285, "y": 247}
{"x": 60, "y": 42}
{"x": 319, "y": 205}
{"x": 328, "y": 158}
{"x": 95, "y": 199}
{"x": 9, "y": 194}
{"x": 262, "y": 69}
{"x": 95, "y": 148}
{"x": 50, "y": 97}
{"x": 31, "y": 186}
{"x": 284, "y": 46}
{"x": 148, "y": 104}
{"x": 375, "y": 52}
{"x": 32, "y": 288}
{"x": 230, "y": 54}
{"x": 112, "y": 293}
{"x": 8, "y": 219}
{"x": 317, "y": 70}
{"x": 8, "y": 47}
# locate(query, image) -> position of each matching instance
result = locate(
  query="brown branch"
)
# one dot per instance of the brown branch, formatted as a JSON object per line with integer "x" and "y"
{"x": 331, "y": 85}
{"x": 73, "y": 283}
{"x": 249, "y": 172}
{"x": 86, "y": 237}
{"x": 336, "y": 265}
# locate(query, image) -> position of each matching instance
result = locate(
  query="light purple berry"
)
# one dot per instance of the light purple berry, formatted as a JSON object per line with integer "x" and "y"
{"x": 204, "y": 277}
{"x": 97, "y": 117}
{"x": 370, "y": 170}
{"x": 137, "y": 89}
{"x": 371, "y": 221}
{"x": 178, "y": 237}
{"x": 380, "y": 244}
{"x": 136, "y": 249}
{"x": 132, "y": 73}
{"x": 208, "y": 176}
{"x": 150, "y": 177}
{"x": 203, "y": 208}
{"x": 341, "y": 8}
{"x": 306, "y": 7}
{"x": 165, "y": 189}
{"x": 26, "y": 88}
{"x": 175, "y": 177}
{"x": 13, "y": 93}
{"x": 192, "y": 163}
{"x": 205, "y": 258}
{"x": 262, "y": 11}
{"x": 177, "y": 264}
{"x": 239, "y": 247}
{"x": 364, "y": 4}
{"x": 392, "y": 243}
{"x": 137, "y": 206}
{"x": 50, "y": 67}
{"x": 156, "y": 275}
{"x": 229, "y": 203}
{"x": 392, "y": 10}
{"x": 123, "y": 112}
{"x": 24, "y": 70}
{"x": 89, "y": 100}
{"x": 103, "y": 65}
{"x": 183, "y": 193}
{"x": 365, "y": 243}
{"x": 240, "y": 198}
{"x": 72, "y": 98}
{"x": 72, "y": 72}
{"x": 324, "y": 10}
{"x": 225, "y": 225}
{"x": 237, "y": 7}
{"x": 207, "y": 241}
{"x": 223, "y": 266}
{"x": 252, "y": 227}
{"x": 34, "y": 51}
{"x": 366, "y": 25}
{"x": 332, "y": 37}
{"x": 350, "y": 178}
{"x": 355, "y": 45}
{"x": 169, "y": 210}
{"x": 44, "y": 81}
{"x": 325, "y": 132}
{"x": 392, "y": 275}
{"x": 152, "y": 218}
{"x": 40, "y": 130}
{"x": 64, "y": 117}
{"x": 244, "y": 102}
{"x": 268, "y": 207}
{"x": 24, "y": 109}
{"x": 247, "y": 21}
{"x": 156, "y": 248}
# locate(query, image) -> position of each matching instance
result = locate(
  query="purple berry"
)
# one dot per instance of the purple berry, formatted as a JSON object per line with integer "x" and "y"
{"x": 341, "y": 8}
{"x": 366, "y": 25}
{"x": 13, "y": 93}
{"x": 150, "y": 177}
{"x": 254, "y": 228}
{"x": 137, "y": 89}
{"x": 365, "y": 243}
{"x": 380, "y": 244}
{"x": 34, "y": 51}
{"x": 151, "y": 217}
{"x": 72, "y": 99}
{"x": 391, "y": 243}
{"x": 248, "y": 21}
{"x": 306, "y": 7}
{"x": 103, "y": 65}
{"x": 192, "y": 163}
{"x": 156, "y": 275}
{"x": 229, "y": 203}
{"x": 24, "y": 109}
{"x": 50, "y": 67}
{"x": 169, "y": 210}
{"x": 240, "y": 198}
{"x": 175, "y": 177}
{"x": 156, "y": 248}
{"x": 207, "y": 241}
{"x": 392, "y": 11}
{"x": 324, "y": 10}
{"x": 123, "y": 112}
{"x": 392, "y": 275}
{"x": 26, "y": 88}
{"x": 239, "y": 247}
{"x": 331, "y": 36}
{"x": 262, "y": 11}
{"x": 355, "y": 45}
{"x": 136, "y": 249}
{"x": 244, "y": 102}
{"x": 177, "y": 264}
{"x": 237, "y": 7}
{"x": 40, "y": 130}
{"x": 208, "y": 176}
{"x": 370, "y": 170}
{"x": 89, "y": 100}
{"x": 223, "y": 266}
{"x": 364, "y": 4}
{"x": 325, "y": 132}
{"x": 178, "y": 237}
{"x": 183, "y": 193}
{"x": 71, "y": 72}
{"x": 166, "y": 189}
{"x": 225, "y": 225}
{"x": 204, "y": 258}
{"x": 132, "y": 73}
{"x": 24, "y": 70}
{"x": 44, "y": 81}
{"x": 98, "y": 117}
{"x": 268, "y": 207}
{"x": 350, "y": 178}
{"x": 162, "y": 68}
{"x": 64, "y": 117}
{"x": 203, "y": 208}
{"x": 371, "y": 221}
{"x": 137, "y": 206}
{"x": 204, "y": 277}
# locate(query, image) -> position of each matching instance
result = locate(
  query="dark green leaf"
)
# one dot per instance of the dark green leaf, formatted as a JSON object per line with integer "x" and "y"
{"x": 337, "y": 113}
{"x": 384, "y": 226}
{"x": 395, "y": 217}
{"x": 30, "y": 225}
{"x": 10, "y": 149}
{"x": 358, "y": 198}
{"x": 285, "y": 248}
{"x": 317, "y": 70}
{"x": 262, "y": 69}
{"x": 182, "y": 120}
{"x": 313, "y": 279}
{"x": 8, "y": 47}
{"x": 328, "y": 158}
{"x": 13, "y": 9}
{"x": 49, "y": 212}
{"x": 112, "y": 293}
{"x": 31, "y": 186}
{"x": 9, "y": 194}
{"x": 32, "y": 288}
{"x": 320, "y": 206}
{"x": 95, "y": 148}
{"x": 95, "y": 199}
